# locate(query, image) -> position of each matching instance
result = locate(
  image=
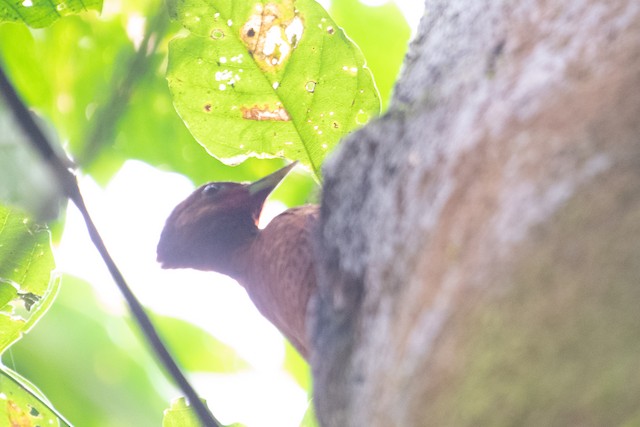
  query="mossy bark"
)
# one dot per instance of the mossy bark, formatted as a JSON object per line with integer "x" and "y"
{"x": 480, "y": 243}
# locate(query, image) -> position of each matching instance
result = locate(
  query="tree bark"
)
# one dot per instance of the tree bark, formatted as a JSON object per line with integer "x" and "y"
{"x": 480, "y": 242}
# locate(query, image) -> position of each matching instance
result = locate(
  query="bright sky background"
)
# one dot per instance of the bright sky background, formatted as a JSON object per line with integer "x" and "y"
{"x": 411, "y": 9}
{"x": 130, "y": 213}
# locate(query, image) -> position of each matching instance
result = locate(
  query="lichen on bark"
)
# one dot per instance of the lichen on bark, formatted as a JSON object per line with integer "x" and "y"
{"x": 477, "y": 243}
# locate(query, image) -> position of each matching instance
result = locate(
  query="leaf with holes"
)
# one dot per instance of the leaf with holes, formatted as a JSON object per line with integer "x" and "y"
{"x": 41, "y": 13}
{"x": 275, "y": 78}
{"x": 22, "y": 404}
{"x": 27, "y": 287}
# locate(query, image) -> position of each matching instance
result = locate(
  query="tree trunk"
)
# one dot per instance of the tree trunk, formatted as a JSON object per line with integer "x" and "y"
{"x": 480, "y": 243}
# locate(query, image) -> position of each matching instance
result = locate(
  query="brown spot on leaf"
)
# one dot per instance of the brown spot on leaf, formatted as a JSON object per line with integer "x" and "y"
{"x": 271, "y": 33}
{"x": 278, "y": 114}
{"x": 17, "y": 416}
{"x": 207, "y": 108}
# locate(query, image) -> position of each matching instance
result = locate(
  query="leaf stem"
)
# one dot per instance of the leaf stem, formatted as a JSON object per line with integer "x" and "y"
{"x": 69, "y": 185}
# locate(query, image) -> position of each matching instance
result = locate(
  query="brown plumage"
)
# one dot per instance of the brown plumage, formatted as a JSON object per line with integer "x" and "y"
{"x": 215, "y": 229}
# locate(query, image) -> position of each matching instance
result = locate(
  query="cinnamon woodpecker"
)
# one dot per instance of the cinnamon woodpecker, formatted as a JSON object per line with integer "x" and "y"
{"x": 215, "y": 229}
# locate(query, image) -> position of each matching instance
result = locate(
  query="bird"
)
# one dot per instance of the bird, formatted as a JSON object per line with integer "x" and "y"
{"x": 216, "y": 229}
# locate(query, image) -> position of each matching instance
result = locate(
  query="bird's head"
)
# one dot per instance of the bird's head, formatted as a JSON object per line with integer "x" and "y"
{"x": 209, "y": 226}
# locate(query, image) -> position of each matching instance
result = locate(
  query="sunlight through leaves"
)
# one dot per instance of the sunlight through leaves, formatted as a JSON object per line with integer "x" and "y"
{"x": 277, "y": 79}
{"x": 41, "y": 13}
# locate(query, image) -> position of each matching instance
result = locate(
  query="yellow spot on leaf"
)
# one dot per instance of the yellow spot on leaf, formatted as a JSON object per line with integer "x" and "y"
{"x": 278, "y": 114}
{"x": 271, "y": 34}
{"x": 17, "y": 416}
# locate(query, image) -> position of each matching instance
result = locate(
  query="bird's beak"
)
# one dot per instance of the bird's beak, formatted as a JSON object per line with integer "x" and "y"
{"x": 264, "y": 186}
{"x": 259, "y": 190}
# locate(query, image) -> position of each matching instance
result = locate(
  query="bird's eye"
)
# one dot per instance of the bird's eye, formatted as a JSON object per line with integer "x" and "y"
{"x": 211, "y": 189}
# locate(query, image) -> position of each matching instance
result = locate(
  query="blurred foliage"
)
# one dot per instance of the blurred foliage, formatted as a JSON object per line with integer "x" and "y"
{"x": 297, "y": 367}
{"x": 33, "y": 189}
{"x": 382, "y": 34}
{"x": 309, "y": 419}
{"x": 211, "y": 355}
{"x": 90, "y": 364}
{"x": 102, "y": 374}
{"x": 83, "y": 51}
{"x": 299, "y": 370}
{"x": 40, "y": 13}
{"x": 180, "y": 414}
{"x": 27, "y": 287}
{"x": 100, "y": 83}
{"x": 27, "y": 290}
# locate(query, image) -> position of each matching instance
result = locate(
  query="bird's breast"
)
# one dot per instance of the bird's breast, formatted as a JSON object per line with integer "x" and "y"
{"x": 278, "y": 272}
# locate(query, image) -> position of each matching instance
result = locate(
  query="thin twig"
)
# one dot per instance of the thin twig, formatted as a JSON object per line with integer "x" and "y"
{"x": 69, "y": 184}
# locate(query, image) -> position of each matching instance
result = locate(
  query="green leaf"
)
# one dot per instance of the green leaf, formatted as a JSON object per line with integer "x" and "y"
{"x": 41, "y": 13}
{"x": 26, "y": 263}
{"x": 27, "y": 289}
{"x": 7, "y": 293}
{"x": 151, "y": 103}
{"x": 267, "y": 79}
{"x": 180, "y": 414}
{"x": 21, "y": 404}
{"x": 83, "y": 51}
{"x": 72, "y": 94}
{"x": 212, "y": 355}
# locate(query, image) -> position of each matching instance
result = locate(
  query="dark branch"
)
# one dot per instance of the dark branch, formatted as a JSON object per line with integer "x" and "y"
{"x": 70, "y": 187}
